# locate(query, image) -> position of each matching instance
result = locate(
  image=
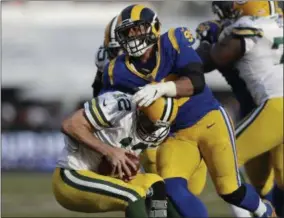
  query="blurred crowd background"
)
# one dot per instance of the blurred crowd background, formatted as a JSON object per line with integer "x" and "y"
{"x": 48, "y": 52}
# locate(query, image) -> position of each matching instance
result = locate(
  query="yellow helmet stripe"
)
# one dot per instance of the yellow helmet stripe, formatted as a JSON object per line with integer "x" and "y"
{"x": 136, "y": 12}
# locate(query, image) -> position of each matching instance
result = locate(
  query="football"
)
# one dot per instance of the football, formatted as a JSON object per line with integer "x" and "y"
{"x": 105, "y": 167}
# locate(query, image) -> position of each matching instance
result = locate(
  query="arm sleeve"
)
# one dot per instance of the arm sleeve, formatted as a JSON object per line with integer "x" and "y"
{"x": 187, "y": 61}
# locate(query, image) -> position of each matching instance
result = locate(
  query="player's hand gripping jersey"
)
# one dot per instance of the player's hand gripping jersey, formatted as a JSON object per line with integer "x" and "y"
{"x": 261, "y": 67}
{"x": 174, "y": 52}
{"x": 113, "y": 117}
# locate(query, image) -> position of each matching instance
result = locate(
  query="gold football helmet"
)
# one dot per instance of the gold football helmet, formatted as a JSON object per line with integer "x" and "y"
{"x": 235, "y": 9}
{"x": 160, "y": 114}
{"x": 257, "y": 8}
{"x": 138, "y": 29}
{"x": 111, "y": 44}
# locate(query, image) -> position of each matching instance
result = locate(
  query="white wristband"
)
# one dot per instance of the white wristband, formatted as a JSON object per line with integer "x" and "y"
{"x": 169, "y": 89}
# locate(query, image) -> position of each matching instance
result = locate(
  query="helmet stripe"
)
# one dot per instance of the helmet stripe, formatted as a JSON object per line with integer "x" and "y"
{"x": 167, "y": 110}
{"x": 172, "y": 108}
{"x": 136, "y": 12}
{"x": 271, "y": 7}
{"x": 112, "y": 28}
{"x": 111, "y": 31}
{"x": 125, "y": 14}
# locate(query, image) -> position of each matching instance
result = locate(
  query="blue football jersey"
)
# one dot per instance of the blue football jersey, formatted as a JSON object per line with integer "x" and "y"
{"x": 174, "y": 52}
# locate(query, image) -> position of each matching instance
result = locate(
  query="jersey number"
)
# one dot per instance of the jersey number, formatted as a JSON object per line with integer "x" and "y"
{"x": 188, "y": 36}
{"x": 127, "y": 141}
{"x": 101, "y": 56}
{"x": 124, "y": 104}
{"x": 277, "y": 41}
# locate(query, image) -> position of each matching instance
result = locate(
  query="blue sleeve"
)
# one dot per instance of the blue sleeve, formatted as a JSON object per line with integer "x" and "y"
{"x": 185, "y": 54}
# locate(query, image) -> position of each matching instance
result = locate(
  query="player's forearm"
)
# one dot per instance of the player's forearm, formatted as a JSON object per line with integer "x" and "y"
{"x": 191, "y": 80}
{"x": 79, "y": 129}
{"x": 184, "y": 87}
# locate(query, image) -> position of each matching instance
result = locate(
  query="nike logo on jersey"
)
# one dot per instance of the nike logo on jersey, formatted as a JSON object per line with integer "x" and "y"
{"x": 209, "y": 126}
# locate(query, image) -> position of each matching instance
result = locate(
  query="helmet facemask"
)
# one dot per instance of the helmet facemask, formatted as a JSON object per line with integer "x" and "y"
{"x": 147, "y": 130}
{"x": 135, "y": 37}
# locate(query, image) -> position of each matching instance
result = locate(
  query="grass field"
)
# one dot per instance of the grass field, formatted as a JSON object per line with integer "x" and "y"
{"x": 28, "y": 194}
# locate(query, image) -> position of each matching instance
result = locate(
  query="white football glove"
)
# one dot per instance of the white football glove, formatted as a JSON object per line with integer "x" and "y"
{"x": 149, "y": 93}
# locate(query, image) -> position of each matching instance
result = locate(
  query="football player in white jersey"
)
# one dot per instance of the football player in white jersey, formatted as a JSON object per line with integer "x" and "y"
{"x": 106, "y": 52}
{"x": 96, "y": 171}
{"x": 253, "y": 47}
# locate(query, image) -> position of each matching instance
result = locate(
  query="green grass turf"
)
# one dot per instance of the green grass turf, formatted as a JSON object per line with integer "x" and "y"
{"x": 26, "y": 194}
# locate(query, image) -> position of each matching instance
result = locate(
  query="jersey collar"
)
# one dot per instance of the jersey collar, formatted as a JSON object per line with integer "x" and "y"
{"x": 151, "y": 76}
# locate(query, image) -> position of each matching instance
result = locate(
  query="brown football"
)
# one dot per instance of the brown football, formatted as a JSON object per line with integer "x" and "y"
{"x": 105, "y": 167}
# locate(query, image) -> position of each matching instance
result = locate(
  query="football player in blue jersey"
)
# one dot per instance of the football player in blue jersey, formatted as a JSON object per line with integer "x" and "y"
{"x": 167, "y": 65}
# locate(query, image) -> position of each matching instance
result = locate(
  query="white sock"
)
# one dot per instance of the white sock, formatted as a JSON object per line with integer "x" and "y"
{"x": 240, "y": 212}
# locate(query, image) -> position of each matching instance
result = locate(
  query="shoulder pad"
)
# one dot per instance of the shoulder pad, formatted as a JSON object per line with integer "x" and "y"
{"x": 180, "y": 36}
{"x": 106, "y": 110}
{"x": 243, "y": 27}
{"x": 246, "y": 27}
{"x": 117, "y": 103}
{"x": 101, "y": 58}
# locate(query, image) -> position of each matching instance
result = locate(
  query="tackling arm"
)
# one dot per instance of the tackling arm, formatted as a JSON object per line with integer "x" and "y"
{"x": 78, "y": 127}
{"x": 188, "y": 64}
{"x": 191, "y": 80}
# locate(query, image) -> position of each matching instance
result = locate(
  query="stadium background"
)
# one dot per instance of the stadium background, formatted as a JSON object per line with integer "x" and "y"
{"x": 48, "y": 50}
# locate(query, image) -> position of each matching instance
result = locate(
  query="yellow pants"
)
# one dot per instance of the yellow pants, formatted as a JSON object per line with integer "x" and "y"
{"x": 197, "y": 181}
{"x": 260, "y": 144}
{"x": 86, "y": 191}
{"x": 212, "y": 139}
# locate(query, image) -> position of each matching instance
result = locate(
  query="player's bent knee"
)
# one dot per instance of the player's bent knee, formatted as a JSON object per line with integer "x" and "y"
{"x": 235, "y": 197}
{"x": 99, "y": 195}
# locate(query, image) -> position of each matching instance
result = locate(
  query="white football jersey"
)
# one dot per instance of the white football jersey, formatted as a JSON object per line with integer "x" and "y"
{"x": 262, "y": 65}
{"x": 113, "y": 115}
{"x": 101, "y": 58}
